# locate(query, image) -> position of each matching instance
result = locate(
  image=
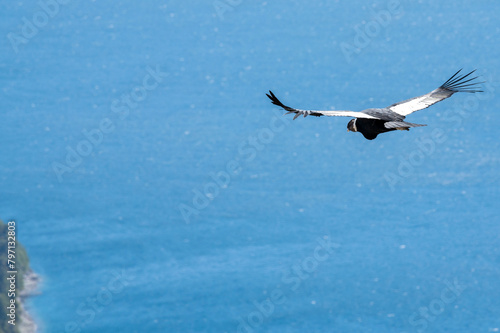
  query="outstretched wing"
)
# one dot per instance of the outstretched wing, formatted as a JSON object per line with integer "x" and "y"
{"x": 315, "y": 113}
{"x": 455, "y": 84}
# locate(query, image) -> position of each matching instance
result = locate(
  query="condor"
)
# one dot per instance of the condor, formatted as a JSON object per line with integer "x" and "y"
{"x": 372, "y": 122}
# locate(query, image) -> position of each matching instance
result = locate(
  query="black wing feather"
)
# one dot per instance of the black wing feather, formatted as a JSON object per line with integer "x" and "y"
{"x": 277, "y": 102}
{"x": 458, "y": 83}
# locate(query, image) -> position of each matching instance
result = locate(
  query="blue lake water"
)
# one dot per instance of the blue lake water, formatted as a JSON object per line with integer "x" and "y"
{"x": 117, "y": 118}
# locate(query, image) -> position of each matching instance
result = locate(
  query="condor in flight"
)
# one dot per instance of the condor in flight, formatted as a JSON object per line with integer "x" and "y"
{"x": 372, "y": 122}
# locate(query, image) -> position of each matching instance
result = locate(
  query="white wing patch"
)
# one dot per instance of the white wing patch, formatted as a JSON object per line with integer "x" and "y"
{"x": 418, "y": 103}
{"x": 353, "y": 114}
